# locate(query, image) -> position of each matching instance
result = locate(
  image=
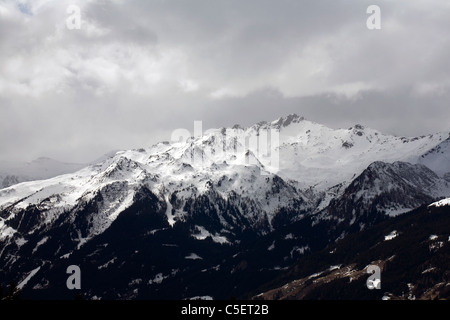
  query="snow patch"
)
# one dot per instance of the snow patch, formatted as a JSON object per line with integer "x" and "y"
{"x": 30, "y": 275}
{"x": 315, "y": 275}
{"x": 41, "y": 242}
{"x": 135, "y": 282}
{"x": 203, "y": 234}
{"x": 441, "y": 203}
{"x": 193, "y": 256}
{"x": 157, "y": 279}
{"x": 391, "y": 235}
{"x": 396, "y": 212}
{"x": 169, "y": 215}
{"x": 5, "y": 231}
{"x": 160, "y": 277}
{"x": 200, "y": 298}
{"x": 20, "y": 242}
{"x": 107, "y": 264}
{"x": 428, "y": 270}
{"x": 331, "y": 268}
{"x": 300, "y": 250}
{"x": 65, "y": 256}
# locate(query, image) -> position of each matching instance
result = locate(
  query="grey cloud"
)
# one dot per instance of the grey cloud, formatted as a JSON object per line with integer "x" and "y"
{"x": 139, "y": 69}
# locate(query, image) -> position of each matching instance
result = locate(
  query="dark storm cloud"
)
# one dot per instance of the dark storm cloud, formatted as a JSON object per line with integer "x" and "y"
{"x": 136, "y": 70}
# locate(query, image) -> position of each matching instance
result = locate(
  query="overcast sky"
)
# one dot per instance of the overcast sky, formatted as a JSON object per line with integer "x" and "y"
{"x": 137, "y": 70}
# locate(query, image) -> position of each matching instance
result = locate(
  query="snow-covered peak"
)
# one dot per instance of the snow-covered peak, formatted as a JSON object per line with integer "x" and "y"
{"x": 287, "y": 120}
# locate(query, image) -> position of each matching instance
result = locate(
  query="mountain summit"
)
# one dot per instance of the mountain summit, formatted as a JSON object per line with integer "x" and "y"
{"x": 286, "y": 121}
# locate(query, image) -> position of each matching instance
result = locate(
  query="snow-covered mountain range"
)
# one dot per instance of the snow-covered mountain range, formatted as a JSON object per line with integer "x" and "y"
{"x": 225, "y": 185}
